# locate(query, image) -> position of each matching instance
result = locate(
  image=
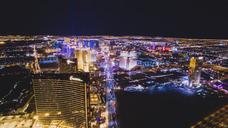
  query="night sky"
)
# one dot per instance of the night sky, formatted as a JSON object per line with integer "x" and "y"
{"x": 173, "y": 18}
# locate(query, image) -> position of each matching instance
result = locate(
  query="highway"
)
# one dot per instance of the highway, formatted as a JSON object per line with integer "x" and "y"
{"x": 110, "y": 94}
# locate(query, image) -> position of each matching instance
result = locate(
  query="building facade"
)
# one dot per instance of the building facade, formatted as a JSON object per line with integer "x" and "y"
{"x": 61, "y": 99}
{"x": 68, "y": 65}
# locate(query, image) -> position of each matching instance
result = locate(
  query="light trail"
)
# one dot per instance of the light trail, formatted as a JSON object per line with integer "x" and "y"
{"x": 110, "y": 94}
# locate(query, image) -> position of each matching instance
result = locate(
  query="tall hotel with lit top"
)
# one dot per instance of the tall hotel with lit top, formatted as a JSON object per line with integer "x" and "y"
{"x": 61, "y": 97}
{"x": 128, "y": 60}
{"x": 195, "y": 71}
{"x": 83, "y": 58}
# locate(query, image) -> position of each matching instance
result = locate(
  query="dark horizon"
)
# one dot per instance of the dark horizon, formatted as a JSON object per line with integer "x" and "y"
{"x": 176, "y": 18}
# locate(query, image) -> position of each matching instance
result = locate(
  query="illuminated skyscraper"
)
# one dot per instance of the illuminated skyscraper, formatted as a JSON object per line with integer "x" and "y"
{"x": 87, "y": 57}
{"x": 61, "y": 97}
{"x": 48, "y": 64}
{"x": 128, "y": 60}
{"x": 197, "y": 76}
{"x": 67, "y": 40}
{"x": 93, "y": 54}
{"x": 84, "y": 59}
{"x": 192, "y": 64}
{"x": 198, "y": 71}
{"x": 192, "y": 67}
{"x": 78, "y": 55}
{"x": 195, "y": 72}
{"x": 127, "y": 63}
{"x": 68, "y": 65}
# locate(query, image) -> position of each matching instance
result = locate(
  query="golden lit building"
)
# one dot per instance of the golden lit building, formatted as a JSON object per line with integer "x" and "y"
{"x": 61, "y": 97}
{"x": 17, "y": 121}
{"x": 84, "y": 59}
{"x": 195, "y": 72}
{"x": 78, "y": 55}
{"x": 192, "y": 64}
{"x": 218, "y": 119}
{"x": 67, "y": 40}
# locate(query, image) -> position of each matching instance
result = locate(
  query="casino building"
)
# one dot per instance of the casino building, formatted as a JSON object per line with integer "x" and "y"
{"x": 61, "y": 97}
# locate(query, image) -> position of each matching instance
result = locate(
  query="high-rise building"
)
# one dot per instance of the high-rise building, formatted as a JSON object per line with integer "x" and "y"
{"x": 61, "y": 97}
{"x": 197, "y": 76}
{"x": 78, "y": 55}
{"x": 84, "y": 59}
{"x": 93, "y": 57}
{"x": 127, "y": 63}
{"x": 68, "y": 65}
{"x": 217, "y": 119}
{"x": 48, "y": 64}
{"x": 195, "y": 71}
{"x": 128, "y": 60}
{"x": 192, "y": 64}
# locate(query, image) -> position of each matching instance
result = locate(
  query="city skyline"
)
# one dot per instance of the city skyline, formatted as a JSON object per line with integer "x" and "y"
{"x": 106, "y": 81}
{"x": 113, "y": 64}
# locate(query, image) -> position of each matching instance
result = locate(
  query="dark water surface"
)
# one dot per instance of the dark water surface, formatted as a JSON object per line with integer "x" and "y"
{"x": 163, "y": 110}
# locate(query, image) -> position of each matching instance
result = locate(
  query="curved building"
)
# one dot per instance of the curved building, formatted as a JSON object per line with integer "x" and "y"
{"x": 57, "y": 98}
